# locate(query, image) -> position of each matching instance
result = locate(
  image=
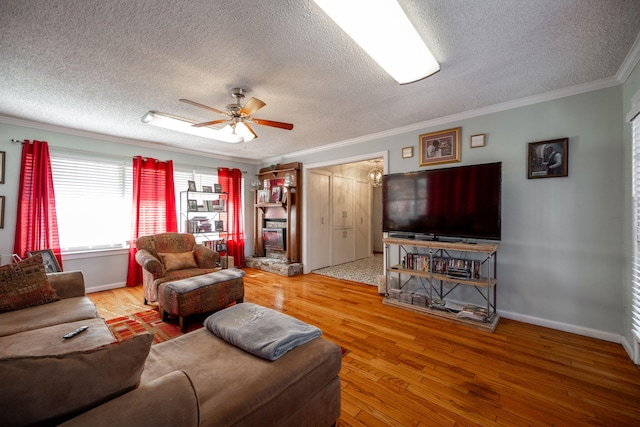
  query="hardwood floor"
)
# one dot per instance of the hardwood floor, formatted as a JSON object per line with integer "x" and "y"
{"x": 408, "y": 369}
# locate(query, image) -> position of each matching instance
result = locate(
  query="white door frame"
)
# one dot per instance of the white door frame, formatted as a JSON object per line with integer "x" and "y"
{"x": 305, "y": 174}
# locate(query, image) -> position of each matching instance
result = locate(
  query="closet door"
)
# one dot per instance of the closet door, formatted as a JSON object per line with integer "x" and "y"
{"x": 342, "y": 201}
{"x": 343, "y": 245}
{"x": 362, "y": 219}
{"x": 319, "y": 227}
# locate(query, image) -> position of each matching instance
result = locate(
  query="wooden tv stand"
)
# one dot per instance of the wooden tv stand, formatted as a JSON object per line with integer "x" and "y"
{"x": 436, "y": 265}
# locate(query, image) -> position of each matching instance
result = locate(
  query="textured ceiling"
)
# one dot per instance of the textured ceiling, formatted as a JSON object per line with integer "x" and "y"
{"x": 98, "y": 66}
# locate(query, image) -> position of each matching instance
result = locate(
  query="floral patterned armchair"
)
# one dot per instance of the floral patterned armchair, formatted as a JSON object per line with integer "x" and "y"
{"x": 166, "y": 257}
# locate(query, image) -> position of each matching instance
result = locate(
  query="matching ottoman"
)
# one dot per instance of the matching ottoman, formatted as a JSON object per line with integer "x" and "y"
{"x": 200, "y": 294}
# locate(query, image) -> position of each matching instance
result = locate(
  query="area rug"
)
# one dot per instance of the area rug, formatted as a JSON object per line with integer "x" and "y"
{"x": 125, "y": 327}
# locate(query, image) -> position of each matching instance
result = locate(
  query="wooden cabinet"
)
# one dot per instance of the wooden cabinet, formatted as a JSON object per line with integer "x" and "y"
{"x": 287, "y": 210}
{"x": 440, "y": 268}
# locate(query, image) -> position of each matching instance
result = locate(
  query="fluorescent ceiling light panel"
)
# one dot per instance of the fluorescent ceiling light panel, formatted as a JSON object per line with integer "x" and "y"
{"x": 179, "y": 124}
{"x": 383, "y": 30}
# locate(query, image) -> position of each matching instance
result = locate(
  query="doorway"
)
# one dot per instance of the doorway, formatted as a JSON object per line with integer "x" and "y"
{"x": 326, "y": 238}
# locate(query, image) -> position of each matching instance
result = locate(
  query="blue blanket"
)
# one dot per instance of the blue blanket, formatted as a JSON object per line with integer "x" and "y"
{"x": 261, "y": 331}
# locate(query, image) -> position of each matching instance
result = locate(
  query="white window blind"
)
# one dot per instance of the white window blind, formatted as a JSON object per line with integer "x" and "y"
{"x": 635, "y": 316}
{"x": 93, "y": 201}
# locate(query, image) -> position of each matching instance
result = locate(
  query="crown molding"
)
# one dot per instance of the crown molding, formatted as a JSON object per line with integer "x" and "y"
{"x": 629, "y": 62}
{"x": 440, "y": 121}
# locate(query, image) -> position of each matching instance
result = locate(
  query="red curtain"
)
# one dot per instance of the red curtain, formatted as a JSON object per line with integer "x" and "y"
{"x": 154, "y": 206}
{"x": 231, "y": 183}
{"x": 37, "y": 225}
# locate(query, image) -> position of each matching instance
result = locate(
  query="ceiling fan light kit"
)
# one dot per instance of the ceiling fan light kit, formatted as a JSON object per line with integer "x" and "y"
{"x": 168, "y": 121}
{"x": 383, "y": 30}
{"x": 237, "y": 127}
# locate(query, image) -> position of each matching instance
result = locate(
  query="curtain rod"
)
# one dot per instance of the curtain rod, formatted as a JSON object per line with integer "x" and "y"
{"x": 19, "y": 141}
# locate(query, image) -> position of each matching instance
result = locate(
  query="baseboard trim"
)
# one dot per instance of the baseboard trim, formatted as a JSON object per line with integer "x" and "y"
{"x": 106, "y": 287}
{"x": 565, "y": 327}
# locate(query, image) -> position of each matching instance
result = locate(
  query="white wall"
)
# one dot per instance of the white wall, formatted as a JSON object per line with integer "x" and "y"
{"x": 108, "y": 269}
{"x": 560, "y": 259}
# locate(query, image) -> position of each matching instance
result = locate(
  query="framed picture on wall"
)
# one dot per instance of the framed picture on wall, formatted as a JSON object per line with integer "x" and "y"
{"x": 440, "y": 147}
{"x": 548, "y": 159}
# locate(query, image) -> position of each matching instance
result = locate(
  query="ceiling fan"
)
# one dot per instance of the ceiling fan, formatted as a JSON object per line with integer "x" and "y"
{"x": 239, "y": 116}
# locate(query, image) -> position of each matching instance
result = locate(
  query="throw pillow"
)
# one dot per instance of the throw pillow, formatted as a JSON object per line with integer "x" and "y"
{"x": 25, "y": 284}
{"x": 39, "y": 388}
{"x": 178, "y": 260}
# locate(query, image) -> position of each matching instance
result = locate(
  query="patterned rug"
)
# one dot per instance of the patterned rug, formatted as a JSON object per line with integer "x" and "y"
{"x": 364, "y": 270}
{"x": 125, "y": 327}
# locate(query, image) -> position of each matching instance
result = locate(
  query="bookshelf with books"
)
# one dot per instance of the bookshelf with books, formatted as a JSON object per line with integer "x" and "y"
{"x": 204, "y": 214}
{"x": 425, "y": 276}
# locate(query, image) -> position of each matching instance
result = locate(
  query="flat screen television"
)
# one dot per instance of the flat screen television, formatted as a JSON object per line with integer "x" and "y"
{"x": 459, "y": 202}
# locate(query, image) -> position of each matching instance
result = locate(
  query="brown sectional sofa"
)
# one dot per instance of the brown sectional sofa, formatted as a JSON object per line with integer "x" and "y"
{"x": 196, "y": 379}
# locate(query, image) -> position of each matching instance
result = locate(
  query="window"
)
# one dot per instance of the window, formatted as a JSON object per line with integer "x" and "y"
{"x": 93, "y": 201}
{"x": 635, "y": 309}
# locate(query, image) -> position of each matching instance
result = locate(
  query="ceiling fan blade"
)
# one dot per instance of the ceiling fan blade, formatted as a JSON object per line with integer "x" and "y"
{"x": 253, "y": 105}
{"x": 281, "y": 125}
{"x": 215, "y": 110}
{"x": 255, "y": 135}
{"x": 212, "y": 122}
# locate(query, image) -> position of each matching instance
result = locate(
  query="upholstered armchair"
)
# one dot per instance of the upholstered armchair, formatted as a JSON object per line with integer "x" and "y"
{"x": 166, "y": 257}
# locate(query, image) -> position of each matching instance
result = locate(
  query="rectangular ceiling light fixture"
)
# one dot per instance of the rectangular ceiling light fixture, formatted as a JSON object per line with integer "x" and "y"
{"x": 179, "y": 124}
{"x": 383, "y": 30}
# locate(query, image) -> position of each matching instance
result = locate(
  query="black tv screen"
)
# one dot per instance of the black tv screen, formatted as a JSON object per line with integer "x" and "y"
{"x": 459, "y": 202}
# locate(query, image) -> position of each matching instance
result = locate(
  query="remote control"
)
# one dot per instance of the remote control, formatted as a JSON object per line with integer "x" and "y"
{"x": 76, "y": 332}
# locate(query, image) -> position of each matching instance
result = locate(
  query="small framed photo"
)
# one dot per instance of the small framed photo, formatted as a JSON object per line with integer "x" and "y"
{"x": 217, "y": 188}
{"x": 207, "y": 189}
{"x": 548, "y": 159}
{"x": 218, "y": 226}
{"x": 284, "y": 197}
{"x": 276, "y": 193}
{"x": 263, "y": 196}
{"x": 48, "y": 260}
{"x": 407, "y": 152}
{"x": 476, "y": 141}
{"x": 440, "y": 147}
{"x": 192, "y": 185}
{"x": 2, "y": 163}
{"x": 192, "y": 205}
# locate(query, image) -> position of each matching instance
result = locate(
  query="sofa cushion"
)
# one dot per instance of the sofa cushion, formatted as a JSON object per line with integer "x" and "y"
{"x": 39, "y": 388}
{"x": 48, "y": 341}
{"x": 63, "y": 311}
{"x": 265, "y": 397}
{"x": 167, "y": 401}
{"x": 25, "y": 284}
{"x": 178, "y": 261}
